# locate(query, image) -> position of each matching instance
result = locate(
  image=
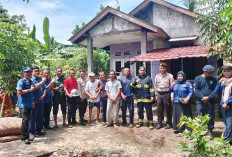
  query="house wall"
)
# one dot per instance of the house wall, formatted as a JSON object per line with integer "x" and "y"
{"x": 132, "y": 47}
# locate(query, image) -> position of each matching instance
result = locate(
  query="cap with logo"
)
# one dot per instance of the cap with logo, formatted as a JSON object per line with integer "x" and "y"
{"x": 227, "y": 67}
{"x": 162, "y": 64}
{"x": 27, "y": 69}
{"x": 91, "y": 74}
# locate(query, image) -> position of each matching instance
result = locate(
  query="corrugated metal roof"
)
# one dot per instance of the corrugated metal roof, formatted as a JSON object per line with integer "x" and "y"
{"x": 172, "y": 53}
{"x": 182, "y": 39}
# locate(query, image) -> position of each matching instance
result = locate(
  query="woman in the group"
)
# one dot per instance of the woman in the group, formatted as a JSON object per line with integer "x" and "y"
{"x": 225, "y": 86}
{"x": 182, "y": 92}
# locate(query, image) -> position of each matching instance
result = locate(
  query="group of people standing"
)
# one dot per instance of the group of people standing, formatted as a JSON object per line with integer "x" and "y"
{"x": 109, "y": 95}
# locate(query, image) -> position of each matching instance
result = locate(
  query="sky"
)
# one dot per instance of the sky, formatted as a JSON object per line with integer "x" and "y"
{"x": 64, "y": 14}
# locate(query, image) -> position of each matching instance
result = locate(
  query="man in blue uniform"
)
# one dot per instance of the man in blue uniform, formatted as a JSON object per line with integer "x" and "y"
{"x": 36, "y": 122}
{"x": 204, "y": 86}
{"x": 25, "y": 90}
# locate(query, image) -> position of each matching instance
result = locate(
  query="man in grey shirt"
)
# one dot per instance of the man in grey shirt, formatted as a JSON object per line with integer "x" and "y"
{"x": 163, "y": 81}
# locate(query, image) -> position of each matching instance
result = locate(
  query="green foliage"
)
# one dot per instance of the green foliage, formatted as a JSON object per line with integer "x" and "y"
{"x": 78, "y": 28}
{"x": 199, "y": 143}
{"x": 17, "y": 51}
{"x": 190, "y": 4}
{"x": 15, "y": 19}
{"x": 216, "y": 26}
{"x": 47, "y": 39}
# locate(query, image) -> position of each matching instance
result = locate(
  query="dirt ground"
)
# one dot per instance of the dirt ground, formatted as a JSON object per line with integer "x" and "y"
{"x": 121, "y": 141}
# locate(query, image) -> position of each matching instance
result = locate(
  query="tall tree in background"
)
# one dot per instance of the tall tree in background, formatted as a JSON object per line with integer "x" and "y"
{"x": 78, "y": 28}
{"x": 15, "y": 19}
{"x": 190, "y": 4}
{"x": 216, "y": 26}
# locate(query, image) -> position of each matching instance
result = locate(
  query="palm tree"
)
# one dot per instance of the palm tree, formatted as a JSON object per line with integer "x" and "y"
{"x": 190, "y": 4}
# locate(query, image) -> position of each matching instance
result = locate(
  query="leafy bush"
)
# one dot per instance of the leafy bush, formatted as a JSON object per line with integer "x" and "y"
{"x": 200, "y": 144}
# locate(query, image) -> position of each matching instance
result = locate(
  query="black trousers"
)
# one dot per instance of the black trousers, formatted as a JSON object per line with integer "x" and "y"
{"x": 47, "y": 111}
{"x": 82, "y": 108}
{"x": 72, "y": 108}
{"x": 148, "y": 107}
{"x": 26, "y": 114}
{"x": 164, "y": 103}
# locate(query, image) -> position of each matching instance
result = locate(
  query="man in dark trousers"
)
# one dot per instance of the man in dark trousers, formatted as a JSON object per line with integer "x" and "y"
{"x": 204, "y": 86}
{"x": 25, "y": 90}
{"x": 144, "y": 95}
{"x": 59, "y": 97}
{"x": 163, "y": 81}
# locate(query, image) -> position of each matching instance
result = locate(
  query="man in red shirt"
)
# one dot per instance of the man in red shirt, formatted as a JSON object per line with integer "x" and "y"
{"x": 70, "y": 87}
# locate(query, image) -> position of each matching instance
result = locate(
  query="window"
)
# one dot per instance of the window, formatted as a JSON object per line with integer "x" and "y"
{"x": 118, "y": 54}
{"x": 138, "y": 52}
{"x": 127, "y": 53}
{"x": 118, "y": 65}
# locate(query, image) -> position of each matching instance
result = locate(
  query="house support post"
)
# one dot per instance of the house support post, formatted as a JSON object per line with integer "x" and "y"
{"x": 90, "y": 53}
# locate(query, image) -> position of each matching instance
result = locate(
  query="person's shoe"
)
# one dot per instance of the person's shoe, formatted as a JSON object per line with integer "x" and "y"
{"x": 42, "y": 133}
{"x": 104, "y": 123}
{"x": 70, "y": 126}
{"x": 210, "y": 134}
{"x": 31, "y": 137}
{"x": 49, "y": 128}
{"x": 85, "y": 120}
{"x": 123, "y": 124}
{"x": 131, "y": 125}
{"x": 82, "y": 123}
{"x": 74, "y": 122}
{"x": 159, "y": 126}
{"x": 55, "y": 126}
{"x": 140, "y": 124}
{"x": 65, "y": 125}
{"x": 168, "y": 126}
{"x": 27, "y": 141}
{"x": 151, "y": 125}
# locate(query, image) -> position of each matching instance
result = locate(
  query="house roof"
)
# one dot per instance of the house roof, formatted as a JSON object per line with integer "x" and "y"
{"x": 163, "y": 3}
{"x": 183, "y": 39}
{"x": 108, "y": 10}
{"x": 172, "y": 53}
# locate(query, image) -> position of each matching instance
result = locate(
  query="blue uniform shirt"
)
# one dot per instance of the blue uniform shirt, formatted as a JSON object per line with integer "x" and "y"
{"x": 126, "y": 85}
{"x": 25, "y": 100}
{"x": 39, "y": 92}
{"x": 48, "y": 96}
{"x": 183, "y": 90}
{"x": 221, "y": 88}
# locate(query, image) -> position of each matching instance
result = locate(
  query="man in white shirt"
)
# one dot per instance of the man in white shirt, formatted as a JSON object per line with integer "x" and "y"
{"x": 113, "y": 90}
{"x": 94, "y": 99}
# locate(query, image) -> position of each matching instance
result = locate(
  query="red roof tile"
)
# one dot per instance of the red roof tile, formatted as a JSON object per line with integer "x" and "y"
{"x": 172, "y": 53}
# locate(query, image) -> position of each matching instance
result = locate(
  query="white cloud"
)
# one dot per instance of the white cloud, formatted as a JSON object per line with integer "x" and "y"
{"x": 48, "y": 5}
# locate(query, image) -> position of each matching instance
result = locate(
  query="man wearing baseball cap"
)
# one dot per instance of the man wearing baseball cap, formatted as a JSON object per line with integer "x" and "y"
{"x": 25, "y": 90}
{"x": 204, "y": 86}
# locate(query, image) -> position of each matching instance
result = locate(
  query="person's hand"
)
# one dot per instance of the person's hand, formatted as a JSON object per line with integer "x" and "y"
{"x": 225, "y": 107}
{"x": 172, "y": 99}
{"x": 82, "y": 100}
{"x": 44, "y": 79}
{"x": 101, "y": 87}
{"x": 138, "y": 80}
{"x": 53, "y": 81}
{"x": 41, "y": 98}
{"x": 152, "y": 99}
{"x": 222, "y": 79}
{"x": 186, "y": 100}
{"x": 33, "y": 105}
{"x": 205, "y": 100}
{"x": 173, "y": 84}
{"x": 61, "y": 85}
{"x": 70, "y": 95}
{"x": 114, "y": 101}
{"x": 123, "y": 97}
{"x": 32, "y": 89}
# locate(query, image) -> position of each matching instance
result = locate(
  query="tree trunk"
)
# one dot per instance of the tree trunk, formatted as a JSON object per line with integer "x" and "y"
{"x": 3, "y": 103}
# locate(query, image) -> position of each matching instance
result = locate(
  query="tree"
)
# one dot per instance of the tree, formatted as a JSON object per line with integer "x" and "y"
{"x": 190, "y": 4}
{"x": 216, "y": 25}
{"x": 15, "y": 19}
{"x": 17, "y": 50}
{"x": 78, "y": 28}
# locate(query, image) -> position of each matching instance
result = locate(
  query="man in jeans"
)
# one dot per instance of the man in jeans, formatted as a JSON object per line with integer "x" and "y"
{"x": 127, "y": 97}
{"x": 59, "y": 97}
{"x": 25, "y": 90}
{"x": 103, "y": 96}
{"x": 81, "y": 89}
{"x": 36, "y": 122}
{"x": 163, "y": 81}
{"x": 73, "y": 100}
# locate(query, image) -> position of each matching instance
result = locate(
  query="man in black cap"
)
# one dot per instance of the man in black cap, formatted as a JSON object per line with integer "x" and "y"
{"x": 163, "y": 81}
{"x": 204, "y": 86}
